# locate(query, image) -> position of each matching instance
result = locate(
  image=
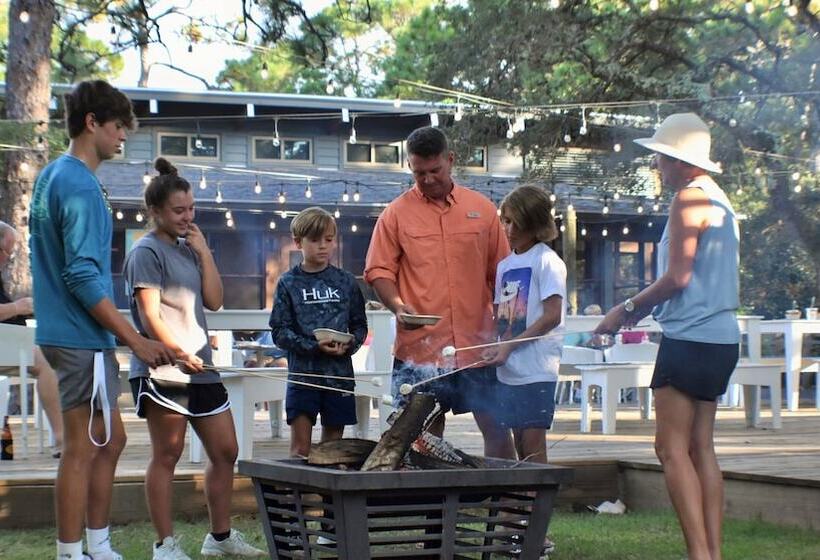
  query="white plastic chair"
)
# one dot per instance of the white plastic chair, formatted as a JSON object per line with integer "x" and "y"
{"x": 641, "y": 352}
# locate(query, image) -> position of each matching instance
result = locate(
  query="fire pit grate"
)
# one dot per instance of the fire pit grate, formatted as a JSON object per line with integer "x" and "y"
{"x": 495, "y": 512}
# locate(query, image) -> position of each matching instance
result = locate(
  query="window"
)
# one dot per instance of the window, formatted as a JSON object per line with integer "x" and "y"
{"x": 377, "y": 154}
{"x": 205, "y": 146}
{"x": 477, "y": 159}
{"x": 288, "y": 149}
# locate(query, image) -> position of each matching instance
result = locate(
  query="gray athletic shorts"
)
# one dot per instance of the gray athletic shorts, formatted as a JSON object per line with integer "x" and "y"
{"x": 75, "y": 374}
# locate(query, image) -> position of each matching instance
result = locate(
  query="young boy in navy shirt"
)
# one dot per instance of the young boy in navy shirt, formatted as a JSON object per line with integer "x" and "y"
{"x": 315, "y": 294}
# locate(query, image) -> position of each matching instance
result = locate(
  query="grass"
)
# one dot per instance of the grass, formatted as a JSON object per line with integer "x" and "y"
{"x": 635, "y": 536}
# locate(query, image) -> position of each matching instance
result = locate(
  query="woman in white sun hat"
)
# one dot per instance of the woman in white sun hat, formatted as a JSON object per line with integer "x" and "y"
{"x": 694, "y": 299}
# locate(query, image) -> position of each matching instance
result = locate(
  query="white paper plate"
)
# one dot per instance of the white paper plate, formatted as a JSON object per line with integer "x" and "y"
{"x": 420, "y": 319}
{"x": 334, "y": 335}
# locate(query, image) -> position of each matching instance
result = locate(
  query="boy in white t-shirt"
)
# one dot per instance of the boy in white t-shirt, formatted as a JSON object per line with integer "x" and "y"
{"x": 529, "y": 298}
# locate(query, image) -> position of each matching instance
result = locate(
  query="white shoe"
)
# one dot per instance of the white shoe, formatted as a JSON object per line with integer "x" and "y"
{"x": 169, "y": 549}
{"x": 234, "y": 545}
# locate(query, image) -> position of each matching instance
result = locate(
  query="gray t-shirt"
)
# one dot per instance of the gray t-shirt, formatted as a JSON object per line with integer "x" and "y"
{"x": 174, "y": 270}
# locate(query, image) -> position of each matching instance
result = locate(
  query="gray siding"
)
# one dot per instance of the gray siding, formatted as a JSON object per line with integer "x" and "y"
{"x": 502, "y": 162}
{"x": 235, "y": 149}
{"x": 140, "y": 145}
{"x": 327, "y": 151}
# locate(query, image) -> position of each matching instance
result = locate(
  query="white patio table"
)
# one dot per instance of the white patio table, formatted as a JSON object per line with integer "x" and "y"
{"x": 792, "y": 331}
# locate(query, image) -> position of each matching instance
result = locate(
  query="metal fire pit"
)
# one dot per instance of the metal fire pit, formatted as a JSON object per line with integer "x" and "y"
{"x": 496, "y": 512}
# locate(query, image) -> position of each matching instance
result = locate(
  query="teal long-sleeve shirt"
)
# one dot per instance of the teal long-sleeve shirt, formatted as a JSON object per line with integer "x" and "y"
{"x": 71, "y": 229}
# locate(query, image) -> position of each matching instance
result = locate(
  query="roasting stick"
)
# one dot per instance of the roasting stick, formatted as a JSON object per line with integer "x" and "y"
{"x": 407, "y": 388}
{"x": 450, "y": 351}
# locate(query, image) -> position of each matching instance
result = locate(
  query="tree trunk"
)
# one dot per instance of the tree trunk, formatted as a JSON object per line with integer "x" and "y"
{"x": 145, "y": 65}
{"x": 28, "y": 91}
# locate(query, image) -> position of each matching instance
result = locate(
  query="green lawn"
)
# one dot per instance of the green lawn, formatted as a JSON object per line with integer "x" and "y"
{"x": 638, "y": 536}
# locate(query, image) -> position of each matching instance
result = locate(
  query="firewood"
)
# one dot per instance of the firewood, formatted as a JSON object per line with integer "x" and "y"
{"x": 350, "y": 451}
{"x": 394, "y": 443}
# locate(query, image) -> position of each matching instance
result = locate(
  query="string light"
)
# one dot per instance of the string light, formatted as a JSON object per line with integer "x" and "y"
{"x": 228, "y": 215}
{"x": 24, "y": 16}
{"x": 276, "y": 141}
{"x": 352, "y": 138}
{"x": 459, "y": 112}
{"x": 203, "y": 184}
{"x": 308, "y": 192}
{"x": 330, "y": 87}
{"x": 639, "y": 209}
{"x": 791, "y": 11}
{"x": 604, "y": 232}
{"x": 739, "y": 190}
{"x": 625, "y": 231}
{"x": 345, "y": 195}
{"x": 510, "y": 131}
{"x": 654, "y": 5}
{"x": 354, "y": 228}
{"x": 336, "y": 213}
{"x": 553, "y": 198}
{"x": 264, "y": 72}
{"x": 616, "y": 196}
{"x": 795, "y": 176}
{"x": 272, "y": 224}
{"x": 229, "y": 223}
{"x": 433, "y": 119}
{"x": 146, "y": 178}
{"x": 583, "y": 232}
{"x": 356, "y": 195}
{"x": 281, "y": 196}
{"x": 257, "y": 187}
{"x": 563, "y": 228}
{"x": 758, "y": 171}
{"x": 570, "y": 207}
{"x": 567, "y": 138}
{"x": 284, "y": 214}
{"x": 119, "y": 215}
{"x": 555, "y": 4}
{"x": 139, "y": 217}
{"x": 218, "y": 198}
{"x": 749, "y": 7}
{"x": 583, "y": 130}
{"x": 397, "y": 102}
{"x": 656, "y": 205}
{"x": 798, "y": 187}
{"x": 605, "y": 209}
{"x": 649, "y": 224}
{"x": 616, "y": 147}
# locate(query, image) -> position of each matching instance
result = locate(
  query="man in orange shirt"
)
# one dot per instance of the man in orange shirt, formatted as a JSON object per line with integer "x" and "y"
{"x": 434, "y": 251}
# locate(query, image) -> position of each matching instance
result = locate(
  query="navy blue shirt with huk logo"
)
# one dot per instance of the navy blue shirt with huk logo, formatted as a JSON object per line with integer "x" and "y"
{"x": 305, "y": 301}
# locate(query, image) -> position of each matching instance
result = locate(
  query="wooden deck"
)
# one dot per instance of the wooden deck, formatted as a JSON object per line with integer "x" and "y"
{"x": 791, "y": 453}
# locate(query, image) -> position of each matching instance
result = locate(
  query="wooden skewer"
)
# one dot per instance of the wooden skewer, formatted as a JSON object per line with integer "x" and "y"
{"x": 286, "y": 380}
{"x": 404, "y": 390}
{"x": 528, "y": 338}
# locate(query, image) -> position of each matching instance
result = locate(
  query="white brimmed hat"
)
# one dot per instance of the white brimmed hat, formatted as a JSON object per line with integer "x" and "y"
{"x": 683, "y": 136}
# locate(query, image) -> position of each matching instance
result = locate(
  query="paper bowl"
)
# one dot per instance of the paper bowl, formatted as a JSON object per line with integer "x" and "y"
{"x": 420, "y": 319}
{"x": 793, "y": 314}
{"x": 332, "y": 335}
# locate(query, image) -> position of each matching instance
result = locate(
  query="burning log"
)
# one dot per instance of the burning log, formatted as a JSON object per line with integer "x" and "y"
{"x": 394, "y": 443}
{"x": 350, "y": 452}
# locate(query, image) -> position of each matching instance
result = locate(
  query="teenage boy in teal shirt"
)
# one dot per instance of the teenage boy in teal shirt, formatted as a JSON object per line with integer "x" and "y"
{"x": 71, "y": 230}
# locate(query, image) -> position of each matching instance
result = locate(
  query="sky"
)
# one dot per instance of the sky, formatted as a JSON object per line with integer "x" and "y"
{"x": 206, "y": 60}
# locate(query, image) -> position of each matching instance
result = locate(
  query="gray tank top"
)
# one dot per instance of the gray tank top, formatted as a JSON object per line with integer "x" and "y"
{"x": 705, "y": 311}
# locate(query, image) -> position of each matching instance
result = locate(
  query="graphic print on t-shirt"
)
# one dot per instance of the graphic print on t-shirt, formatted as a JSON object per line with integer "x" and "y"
{"x": 512, "y": 306}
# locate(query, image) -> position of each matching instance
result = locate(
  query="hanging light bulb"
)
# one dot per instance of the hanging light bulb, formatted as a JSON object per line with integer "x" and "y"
{"x": 555, "y": 4}
{"x": 791, "y": 11}
{"x": 228, "y": 215}
{"x": 583, "y": 232}
{"x": 257, "y": 187}
{"x": 567, "y": 138}
{"x": 656, "y": 205}
{"x": 739, "y": 190}
{"x": 356, "y": 195}
{"x": 218, "y": 198}
{"x": 798, "y": 187}
{"x": 229, "y": 223}
{"x": 604, "y": 232}
{"x": 459, "y": 112}
{"x": 41, "y": 143}
{"x": 583, "y": 130}
{"x": 139, "y": 217}
{"x": 654, "y": 5}
{"x": 553, "y": 198}
{"x": 749, "y": 7}
{"x": 795, "y": 176}
{"x": 434, "y": 119}
{"x": 336, "y": 213}
{"x": 605, "y": 209}
{"x": 616, "y": 196}
{"x": 198, "y": 142}
{"x": 24, "y": 16}
{"x": 190, "y": 48}
{"x": 272, "y": 224}
{"x": 120, "y": 215}
{"x": 345, "y": 196}
{"x": 354, "y": 228}
{"x": 639, "y": 209}
{"x": 616, "y": 147}
{"x": 649, "y": 224}
{"x": 202, "y": 183}
{"x": 510, "y": 131}
{"x": 352, "y": 139}
{"x": 330, "y": 87}
{"x": 552, "y": 211}
{"x": 308, "y": 192}
{"x": 264, "y": 72}
{"x": 397, "y": 102}
{"x": 146, "y": 178}
{"x": 570, "y": 206}
{"x": 563, "y": 228}
{"x": 498, "y": 211}
{"x": 625, "y": 231}
{"x": 276, "y": 141}
{"x": 284, "y": 214}
{"x": 758, "y": 171}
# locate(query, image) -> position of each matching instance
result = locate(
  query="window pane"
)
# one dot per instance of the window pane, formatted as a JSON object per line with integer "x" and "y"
{"x": 264, "y": 149}
{"x": 476, "y": 158}
{"x": 173, "y": 145}
{"x": 204, "y": 147}
{"x": 297, "y": 150}
{"x": 358, "y": 153}
{"x": 386, "y": 153}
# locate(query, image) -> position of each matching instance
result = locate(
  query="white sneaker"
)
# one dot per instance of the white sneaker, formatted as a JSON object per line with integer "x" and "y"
{"x": 169, "y": 549}
{"x": 105, "y": 555}
{"x": 234, "y": 545}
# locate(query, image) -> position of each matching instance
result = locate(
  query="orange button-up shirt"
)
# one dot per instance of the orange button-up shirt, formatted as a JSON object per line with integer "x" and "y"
{"x": 443, "y": 260}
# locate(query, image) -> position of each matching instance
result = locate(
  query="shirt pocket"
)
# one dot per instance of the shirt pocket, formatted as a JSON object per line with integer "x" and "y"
{"x": 467, "y": 242}
{"x": 423, "y": 247}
